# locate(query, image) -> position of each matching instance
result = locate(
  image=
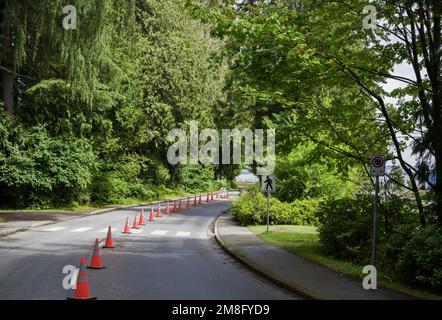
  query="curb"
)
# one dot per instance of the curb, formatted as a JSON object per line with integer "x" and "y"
{"x": 254, "y": 268}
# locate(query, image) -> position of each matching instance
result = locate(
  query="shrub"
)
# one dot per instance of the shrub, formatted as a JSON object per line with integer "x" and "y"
{"x": 283, "y": 213}
{"x": 417, "y": 254}
{"x": 251, "y": 209}
{"x": 109, "y": 189}
{"x": 306, "y": 210}
{"x": 344, "y": 227}
{"x": 39, "y": 171}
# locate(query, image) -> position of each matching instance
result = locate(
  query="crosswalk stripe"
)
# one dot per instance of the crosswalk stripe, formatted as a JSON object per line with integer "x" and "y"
{"x": 53, "y": 229}
{"x": 106, "y": 229}
{"x": 159, "y": 232}
{"x": 83, "y": 229}
{"x": 182, "y": 234}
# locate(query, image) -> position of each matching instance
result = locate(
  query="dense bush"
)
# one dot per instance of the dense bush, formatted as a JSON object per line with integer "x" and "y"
{"x": 37, "y": 170}
{"x": 345, "y": 227}
{"x": 306, "y": 210}
{"x": 250, "y": 209}
{"x": 415, "y": 256}
{"x": 406, "y": 253}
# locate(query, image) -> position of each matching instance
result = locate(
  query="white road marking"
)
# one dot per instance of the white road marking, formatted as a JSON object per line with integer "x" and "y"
{"x": 182, "y": 234}
{"x": 106, "y": 229}
{"x": 82, "y": 229}
{"x": 53, "y": 229}
{"x": 136, "y": 230}
{"x": 159, "y": 232}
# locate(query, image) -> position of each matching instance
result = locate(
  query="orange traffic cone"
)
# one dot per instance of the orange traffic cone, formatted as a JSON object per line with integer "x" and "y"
{"x": 159, "y": 210}
{"x": 126, "y": 227}
{"x": 142, "y": 222}
{"x": 109, "y": 244}
{"x": 194, "y": 202}
{"x": 135, "y": 224}
{"x": 174, "y": 206}
{"x": 151, "y": 218}
{"x": 207, "y": 199}
{"x": 167, "y": 207}
{"x": 188, "y": 203}
{"x": 200, "y": 201}
{"x": 82, "y": 289}
{"x": 180, "y": 207}
{"x": 96, "y": 259}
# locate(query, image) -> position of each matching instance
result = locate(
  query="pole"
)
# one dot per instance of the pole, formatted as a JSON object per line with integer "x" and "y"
{"x": 268, "y": 210}
{"x": 375, "y": 222}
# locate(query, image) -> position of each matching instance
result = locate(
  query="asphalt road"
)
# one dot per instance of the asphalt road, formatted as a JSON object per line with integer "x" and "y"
{"x": 174, "y": 257}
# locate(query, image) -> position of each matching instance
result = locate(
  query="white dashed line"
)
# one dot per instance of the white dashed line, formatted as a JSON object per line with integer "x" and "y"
{"x": 83, "y": 229}
{"x": 136, "y": 230}
{"x": 106, "y": 229}
{"x": 159, "y": 232}
{"x": 182, "y": 234}
{"x": 53, "y": 229}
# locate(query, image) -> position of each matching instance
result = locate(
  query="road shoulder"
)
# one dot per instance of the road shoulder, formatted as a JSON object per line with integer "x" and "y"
{"x": 39, "y": 219}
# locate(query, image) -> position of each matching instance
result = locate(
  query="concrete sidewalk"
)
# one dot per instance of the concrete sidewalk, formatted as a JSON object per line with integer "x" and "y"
{"x": 295, "y": 273}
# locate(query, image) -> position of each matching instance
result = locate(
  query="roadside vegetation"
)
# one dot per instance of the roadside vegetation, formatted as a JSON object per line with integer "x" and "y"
{"x": 304, "y": 241}
{"x": 337, "y": 233}
{"x": 311, "y": 70}
{"x": 85, "y": 113}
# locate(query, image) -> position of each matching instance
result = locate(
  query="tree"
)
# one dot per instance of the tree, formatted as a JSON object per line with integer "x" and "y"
{"x": 310, "y": 66}
{"x": 129, "y": 73}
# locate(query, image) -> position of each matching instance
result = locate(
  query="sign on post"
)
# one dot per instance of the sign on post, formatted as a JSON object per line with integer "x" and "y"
{"x": 268, "y": 184}
{"x": 377, "y": 170}
{"x": 377, "y": 166}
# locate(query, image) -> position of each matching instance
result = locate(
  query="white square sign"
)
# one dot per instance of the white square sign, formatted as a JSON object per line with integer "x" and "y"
{"x": 377, "y": 166}
{"x": 268, "y": 183}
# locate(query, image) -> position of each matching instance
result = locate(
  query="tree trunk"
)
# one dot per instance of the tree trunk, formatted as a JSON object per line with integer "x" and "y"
{"x": 438, "y": 187}
{"x": 7, "y": 79}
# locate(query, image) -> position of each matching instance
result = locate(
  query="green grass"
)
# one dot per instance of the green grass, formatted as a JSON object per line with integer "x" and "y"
{"x": 304, "y": 241}
{"x": 285, "y": 228}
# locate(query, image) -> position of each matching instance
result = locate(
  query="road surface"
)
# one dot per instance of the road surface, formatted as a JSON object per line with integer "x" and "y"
{"x": 173, "y": 257}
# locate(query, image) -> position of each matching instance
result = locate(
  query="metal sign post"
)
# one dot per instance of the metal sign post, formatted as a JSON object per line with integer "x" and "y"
{"x": 268, "y": 210}
{"x": 377, "y": 170}
{"x": 268, "y": 185}
{"x": 375, "y": 222}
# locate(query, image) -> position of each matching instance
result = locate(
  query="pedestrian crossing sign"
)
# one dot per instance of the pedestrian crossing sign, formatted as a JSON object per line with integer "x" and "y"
{"x": 268, "y": 183}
